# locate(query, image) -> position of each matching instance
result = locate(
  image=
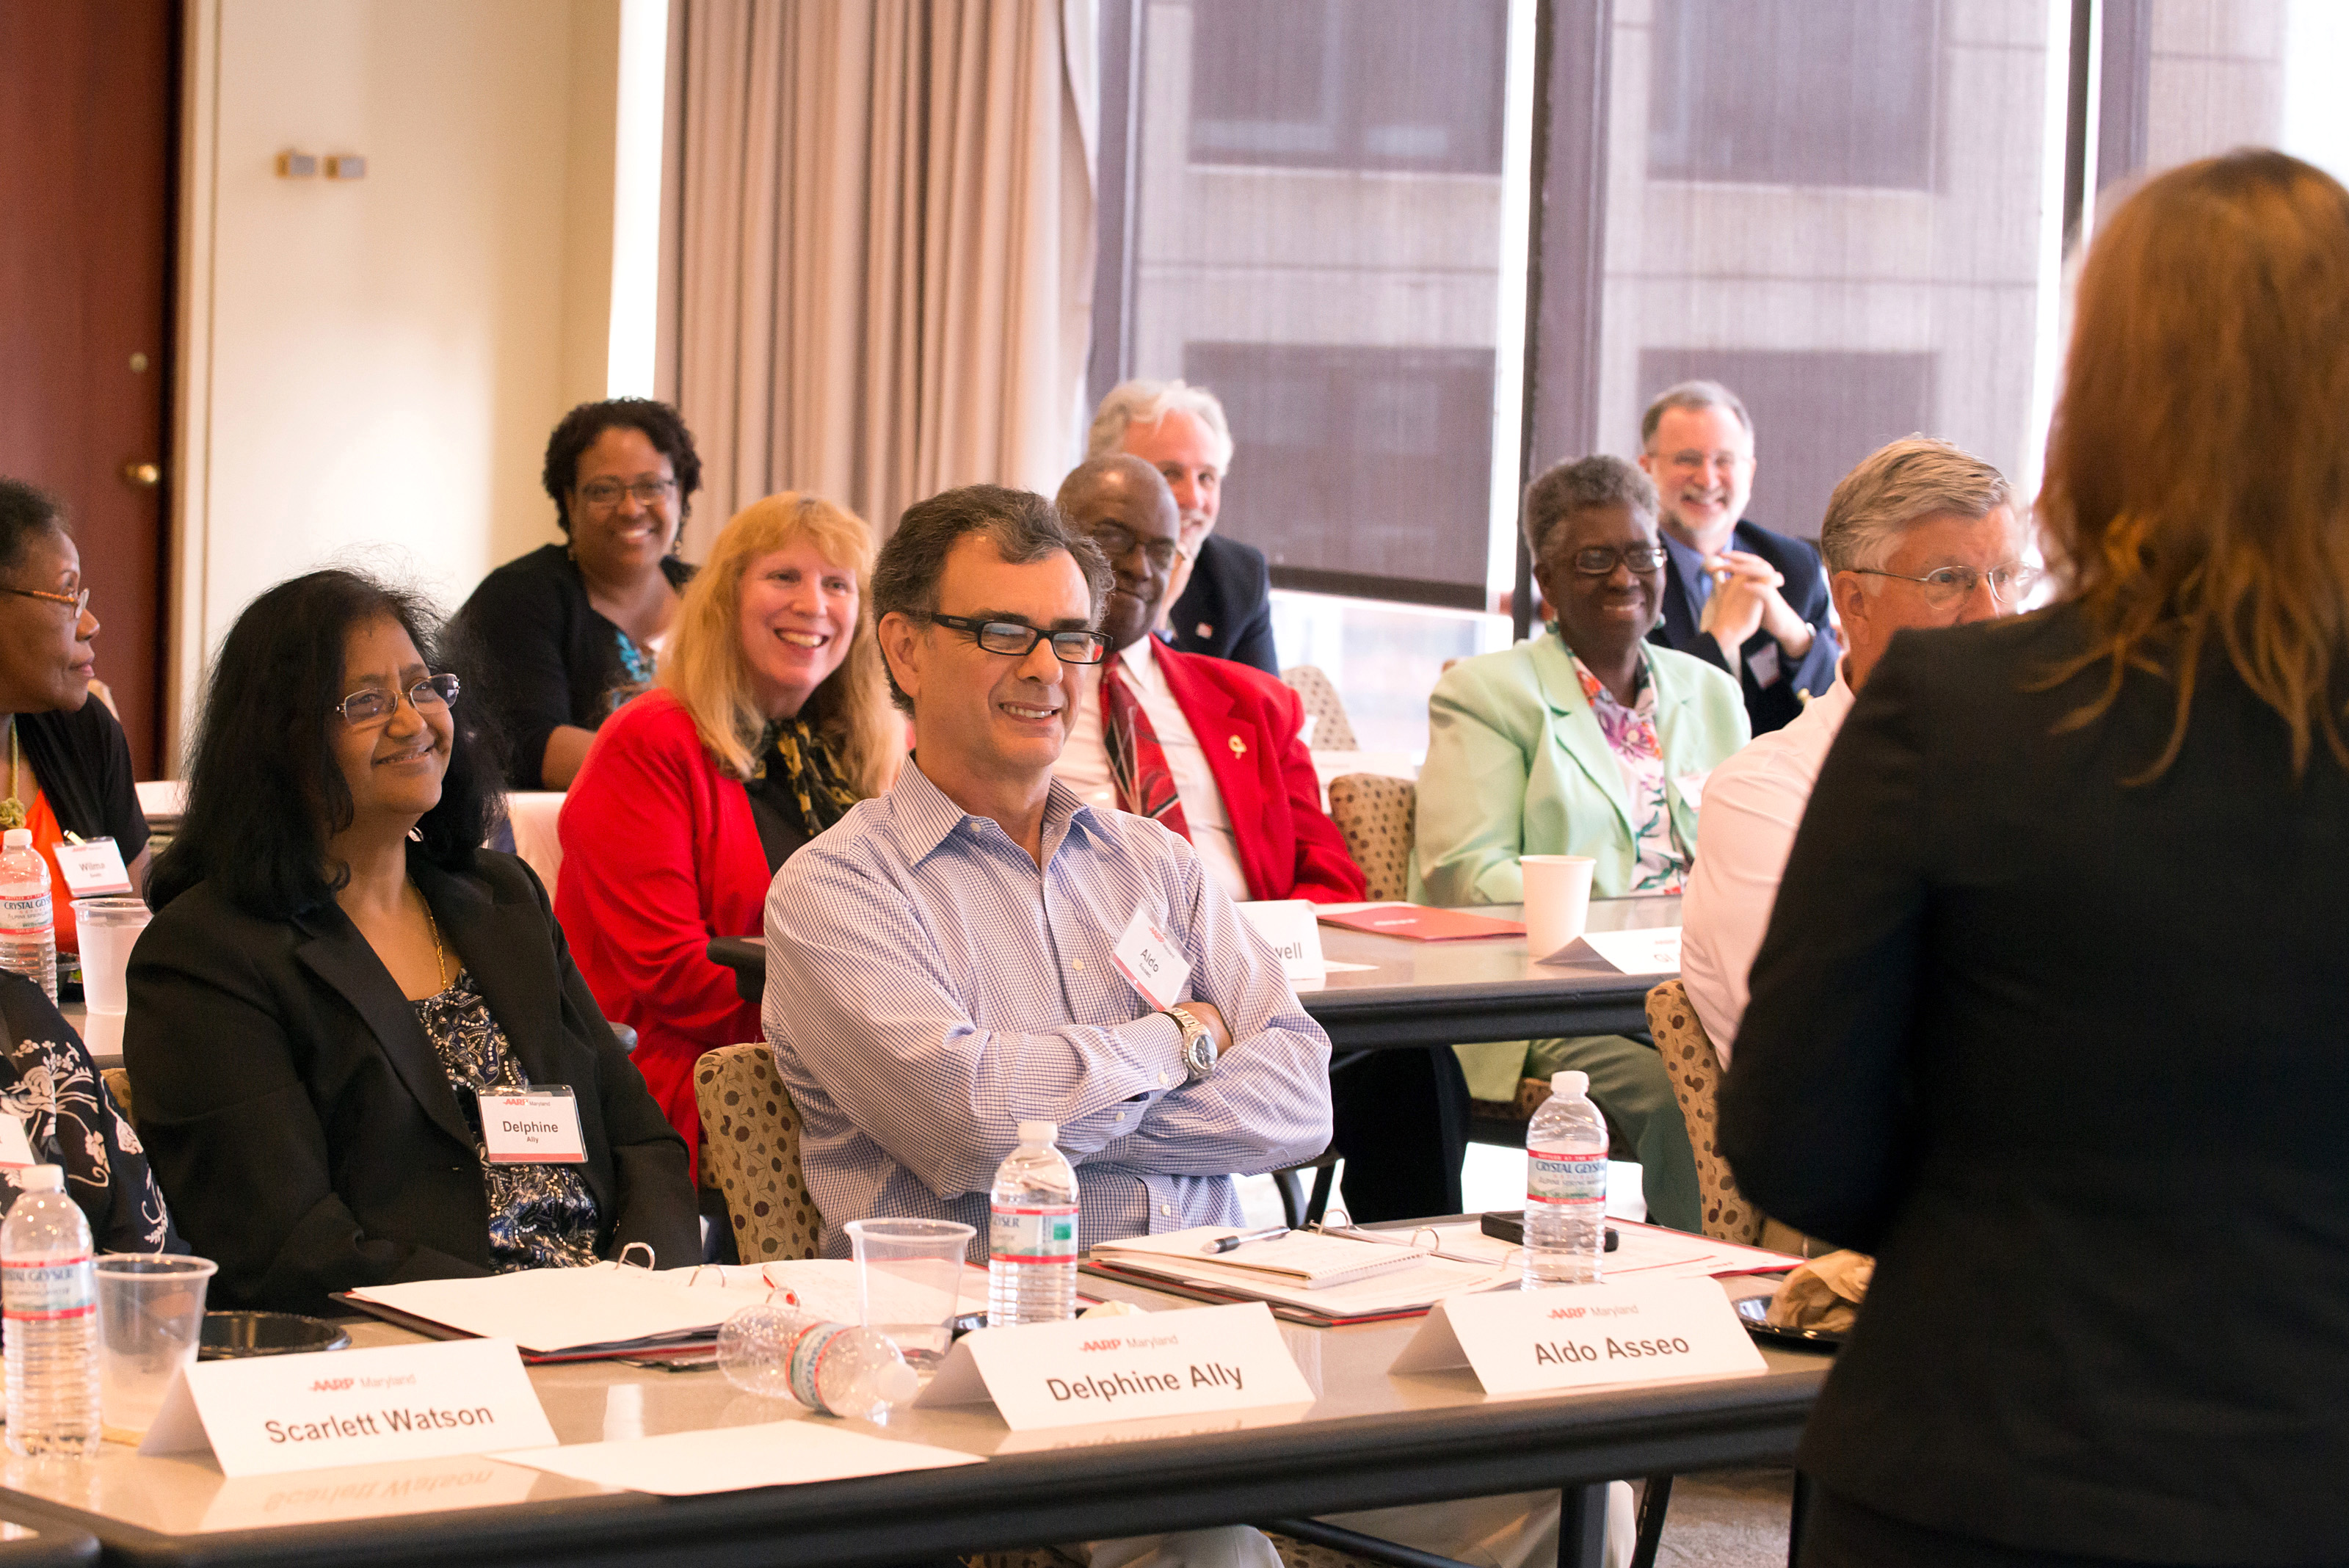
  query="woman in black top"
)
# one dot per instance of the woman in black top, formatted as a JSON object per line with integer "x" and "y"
{"x": 64, "y": 764}
{"x": 337, "y": 971}
{"x": 552, "y": 643}
{"x": 2049, "y": 1014}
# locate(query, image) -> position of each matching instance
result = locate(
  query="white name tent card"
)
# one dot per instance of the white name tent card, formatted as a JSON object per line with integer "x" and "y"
{"x": 1652, "y": 951}
{"x": 351, "y": 1408}
{"x": 1089, "y": 1370}
{"x": 1585, "y": 1336}
{"x": 736, "y": 1458}
{"x": 1292, "y": 929}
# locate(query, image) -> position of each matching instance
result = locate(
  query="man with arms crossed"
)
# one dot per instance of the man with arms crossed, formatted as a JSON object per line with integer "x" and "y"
{"x": 940, "y": 964}
{"x": 1210, "y": 747}
{"x": 1219, "y": 604}
{"x": 1920, "y": 533}
{"x": 1739, "y": 597}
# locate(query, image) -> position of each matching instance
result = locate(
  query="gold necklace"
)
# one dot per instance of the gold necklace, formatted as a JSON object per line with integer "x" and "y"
{"x": 12, "y": 810}
{"x": 439, "y": 959}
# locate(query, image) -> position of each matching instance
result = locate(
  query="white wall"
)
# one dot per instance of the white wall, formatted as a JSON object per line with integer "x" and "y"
{"x": 369, "y": 370}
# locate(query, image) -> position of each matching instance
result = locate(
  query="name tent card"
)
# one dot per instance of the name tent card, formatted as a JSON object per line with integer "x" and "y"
{"x": 352, "y": 1407}
{"x": 1292, "y": 930}
{"x": 1089, "y": 1370}
{"x": 1585, "y": 1336}
{"x": 1654, "y": 949}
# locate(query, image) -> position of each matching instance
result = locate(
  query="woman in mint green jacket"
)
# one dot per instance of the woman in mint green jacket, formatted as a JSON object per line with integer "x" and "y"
{"x": 1589, "y": 740}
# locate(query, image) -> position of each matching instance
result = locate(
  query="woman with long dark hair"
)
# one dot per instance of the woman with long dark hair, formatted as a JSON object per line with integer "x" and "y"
{"x": 337, "y": 972}
{"x": 2049, "y": 1016}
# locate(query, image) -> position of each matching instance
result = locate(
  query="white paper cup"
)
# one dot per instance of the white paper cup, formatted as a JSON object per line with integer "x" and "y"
{"x": 109, "y": 930}
{"x": 1558, "y": 900}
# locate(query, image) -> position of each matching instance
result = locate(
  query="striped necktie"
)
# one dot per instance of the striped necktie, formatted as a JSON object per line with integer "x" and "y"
{"x": 1137, "y": 762}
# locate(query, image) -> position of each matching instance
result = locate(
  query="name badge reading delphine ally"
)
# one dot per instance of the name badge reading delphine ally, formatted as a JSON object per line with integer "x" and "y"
{"x": 537, "y": 1126}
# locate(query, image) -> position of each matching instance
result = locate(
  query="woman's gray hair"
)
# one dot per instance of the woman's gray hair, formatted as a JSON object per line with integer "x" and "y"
{"x": 1911, "y": 479}
{"x": 1570, "y": 487}
{"x": 1148, "y": 402}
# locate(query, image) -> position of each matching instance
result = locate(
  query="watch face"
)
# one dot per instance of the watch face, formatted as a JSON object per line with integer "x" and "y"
{"x": 1199, "y": 1051}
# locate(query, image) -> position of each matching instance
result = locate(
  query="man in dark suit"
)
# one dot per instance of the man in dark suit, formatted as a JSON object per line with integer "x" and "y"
{"x": 1221, "y": 601}
{"x": 1223, "y": 740}
{"x": 1750, "y": 601}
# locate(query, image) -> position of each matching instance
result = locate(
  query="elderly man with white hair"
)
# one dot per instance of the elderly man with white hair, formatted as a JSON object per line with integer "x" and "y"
{"x": 1920, "y": 533}
{"x": 1220, "y": 603}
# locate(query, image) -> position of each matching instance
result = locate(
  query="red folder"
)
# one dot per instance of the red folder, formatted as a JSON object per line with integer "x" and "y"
{"x": 1420, "y": 923}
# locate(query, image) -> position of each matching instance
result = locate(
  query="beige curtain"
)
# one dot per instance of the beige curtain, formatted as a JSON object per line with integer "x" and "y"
{"x": 886, "y": 253}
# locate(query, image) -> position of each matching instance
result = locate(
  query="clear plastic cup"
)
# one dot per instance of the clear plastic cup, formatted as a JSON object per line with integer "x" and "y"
{"x": 909, "y": 1280}
{"x": 107, "y": 929}
{"x": 150, "y": 1317}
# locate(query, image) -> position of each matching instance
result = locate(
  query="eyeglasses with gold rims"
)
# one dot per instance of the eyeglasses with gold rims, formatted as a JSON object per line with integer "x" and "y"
{"x": 431, "y": 695}
{"x": 79, "y": 601}
{"x": 1954, "y": 584}
{"x": 1016, "y": 639}
{"x": 604, "y": 495}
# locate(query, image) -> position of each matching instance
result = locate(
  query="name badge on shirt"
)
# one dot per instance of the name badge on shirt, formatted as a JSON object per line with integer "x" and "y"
{"x": 93, "y": 868}
{"x": 532, "y": 1126}
{"x": 1146, "y": 956}
{"x": 1763, "y": 663}
{"x": 15, "y": 1148}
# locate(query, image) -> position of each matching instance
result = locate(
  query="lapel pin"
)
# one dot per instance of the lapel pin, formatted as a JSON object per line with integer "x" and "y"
{"x": 1239, "y": 747}
{"x": 1203, "y": 631}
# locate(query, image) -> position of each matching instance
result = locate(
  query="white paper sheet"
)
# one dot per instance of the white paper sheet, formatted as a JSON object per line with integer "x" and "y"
{"x": 1649, "y": 951}
{"x": 736, "y": 1458}
{"x": 549, "y": 1309}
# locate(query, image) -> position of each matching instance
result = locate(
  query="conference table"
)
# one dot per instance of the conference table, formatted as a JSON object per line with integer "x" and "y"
{"x": 1427, "y": 994}
{"x": 1370, "y": 1439}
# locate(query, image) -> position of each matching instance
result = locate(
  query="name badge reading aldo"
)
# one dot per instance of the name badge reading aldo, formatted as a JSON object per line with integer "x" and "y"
{"x": 1147, "y": 956}
{"x": 532, "y": 1126}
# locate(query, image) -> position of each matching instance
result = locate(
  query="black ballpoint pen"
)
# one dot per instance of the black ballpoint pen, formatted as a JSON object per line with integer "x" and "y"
{"x": 1225, "y": 1243}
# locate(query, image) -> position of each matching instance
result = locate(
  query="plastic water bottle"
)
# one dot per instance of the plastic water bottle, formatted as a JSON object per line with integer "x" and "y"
{"x": 1565, "y": 1187}
{"x": 1032, "y": 1234}
{"x": 49, "y": 1295}
{"x": 28, "y": 925}
{"x": 778, "y": 1352}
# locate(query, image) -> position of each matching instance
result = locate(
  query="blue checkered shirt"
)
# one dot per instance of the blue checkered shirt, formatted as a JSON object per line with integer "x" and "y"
{"x": 928, "y": 988}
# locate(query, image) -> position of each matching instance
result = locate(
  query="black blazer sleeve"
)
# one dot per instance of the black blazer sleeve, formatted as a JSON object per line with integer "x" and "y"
{"x": 1230, "y": 594}
{"x": 1816, "y": 1108}
{"x": 221, "y": 1043}
{"x": 655, "y": 1201}
{"x": 512, "y": 647}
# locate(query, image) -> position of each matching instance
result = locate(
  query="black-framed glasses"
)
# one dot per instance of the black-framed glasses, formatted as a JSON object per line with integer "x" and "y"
{"x": 604, "y": 495}
{"x": 79, "y": 601}
{"x": 1599, "y": 560}
{"x": 1115, "y": 542}
{"x": 1954, "y": 584}
{"x": 429, "y": 695}
{"x": 1016, "y": 639}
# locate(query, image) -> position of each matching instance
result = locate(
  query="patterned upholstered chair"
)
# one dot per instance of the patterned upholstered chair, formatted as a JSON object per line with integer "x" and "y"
{"x": 1695, "y": 1070}
{"x": 1332, "y": 731}
{"x": 751, "y": 1144}
{"x": 1373, "y": 813}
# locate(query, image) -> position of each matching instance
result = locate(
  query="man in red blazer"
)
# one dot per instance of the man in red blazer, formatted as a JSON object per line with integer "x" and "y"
{"x": 1210, "y": 748}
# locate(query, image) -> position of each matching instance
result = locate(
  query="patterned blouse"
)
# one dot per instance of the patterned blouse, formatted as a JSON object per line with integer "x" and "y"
{"x": 1631, "y": 735}
{"x": 541, "y": 1216}
{"x": 638, "y": 665}
{"x": 48, "y": 1083}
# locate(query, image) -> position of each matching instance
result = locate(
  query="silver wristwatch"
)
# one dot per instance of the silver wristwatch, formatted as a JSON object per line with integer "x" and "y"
{"x": 1198, "y": 1043}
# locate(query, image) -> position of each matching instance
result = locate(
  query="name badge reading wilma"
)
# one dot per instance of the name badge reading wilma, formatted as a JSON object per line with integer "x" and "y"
{"x": 93, "y": 868}
{"x": 532, "y": 1126}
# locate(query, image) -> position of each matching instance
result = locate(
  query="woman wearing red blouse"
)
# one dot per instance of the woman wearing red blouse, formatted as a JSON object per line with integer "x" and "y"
{"x": 769, "y": 722}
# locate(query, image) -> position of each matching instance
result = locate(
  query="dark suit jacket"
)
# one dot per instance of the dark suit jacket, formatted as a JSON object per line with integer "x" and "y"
{"x": 1225, "y": 610}
{"x": 1771, "y": 707}
{"x": 1247, "y": 722}
{"x": 2071, "y": 1058}
{"x": 303, "y": 1127}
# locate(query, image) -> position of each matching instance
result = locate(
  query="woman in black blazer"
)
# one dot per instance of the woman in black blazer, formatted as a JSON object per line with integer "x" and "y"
{"x": 335, "y": 971}
{"x": 2050, "y": 1012}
